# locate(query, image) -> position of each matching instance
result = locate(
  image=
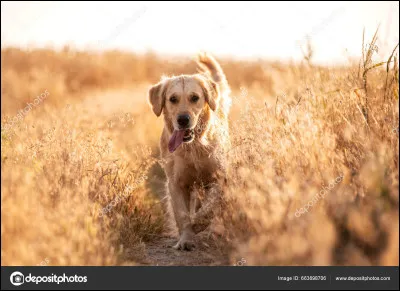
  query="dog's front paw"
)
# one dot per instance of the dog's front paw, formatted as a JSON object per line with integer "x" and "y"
{"x": 186, "y": 242}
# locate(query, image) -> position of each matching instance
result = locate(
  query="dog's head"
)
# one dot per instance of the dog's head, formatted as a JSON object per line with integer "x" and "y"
{"x": 186, "y": 102}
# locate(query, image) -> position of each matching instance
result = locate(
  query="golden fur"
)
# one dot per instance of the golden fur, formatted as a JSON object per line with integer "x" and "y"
{"x": 198, "y": 166}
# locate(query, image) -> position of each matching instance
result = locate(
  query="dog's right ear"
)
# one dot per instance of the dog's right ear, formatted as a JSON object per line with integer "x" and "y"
{"x": 157, "y": 98}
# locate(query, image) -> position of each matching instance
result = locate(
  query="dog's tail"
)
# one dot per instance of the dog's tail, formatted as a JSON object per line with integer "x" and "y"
{"x": 209, "y": 65}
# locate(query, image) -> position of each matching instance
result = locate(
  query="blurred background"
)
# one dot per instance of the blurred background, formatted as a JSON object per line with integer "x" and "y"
{"x": 315, "y": 108}
{"x": 272, "y": 30}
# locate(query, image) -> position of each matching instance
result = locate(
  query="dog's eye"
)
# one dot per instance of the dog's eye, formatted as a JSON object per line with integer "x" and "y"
{"x": 173, "y": 99}
{"x": 194, "y": 98}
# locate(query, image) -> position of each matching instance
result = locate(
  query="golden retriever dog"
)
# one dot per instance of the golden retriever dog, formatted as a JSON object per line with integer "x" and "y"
{"x": 193, "y": 144}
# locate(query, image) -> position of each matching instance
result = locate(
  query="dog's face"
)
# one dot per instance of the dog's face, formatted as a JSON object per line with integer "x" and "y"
{"x": 183, "y": 100}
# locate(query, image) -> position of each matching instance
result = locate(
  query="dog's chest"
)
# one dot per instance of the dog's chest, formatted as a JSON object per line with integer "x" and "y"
{"x": 192, "y": 168}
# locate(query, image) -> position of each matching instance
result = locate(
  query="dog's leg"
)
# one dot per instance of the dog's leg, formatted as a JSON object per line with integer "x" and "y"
{"x": 202, "y": 218}
{"x": 180, "y": 205}
{"x": 193, "y": 203}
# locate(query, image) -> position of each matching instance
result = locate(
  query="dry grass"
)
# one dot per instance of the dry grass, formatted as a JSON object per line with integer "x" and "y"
{"x": 295, "y": 128}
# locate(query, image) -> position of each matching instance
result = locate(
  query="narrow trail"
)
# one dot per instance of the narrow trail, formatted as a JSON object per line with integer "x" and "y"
{"x": 160, "y": 253}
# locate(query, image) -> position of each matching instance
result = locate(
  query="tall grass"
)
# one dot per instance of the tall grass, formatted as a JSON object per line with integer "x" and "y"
{"x": 63, "y": 164}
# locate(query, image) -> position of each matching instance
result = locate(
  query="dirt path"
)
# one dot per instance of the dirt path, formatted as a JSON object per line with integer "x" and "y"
{"x": 160, "y": 253}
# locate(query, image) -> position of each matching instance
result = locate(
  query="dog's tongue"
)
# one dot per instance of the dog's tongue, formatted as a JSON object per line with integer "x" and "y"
{"x": 175, "y": 140}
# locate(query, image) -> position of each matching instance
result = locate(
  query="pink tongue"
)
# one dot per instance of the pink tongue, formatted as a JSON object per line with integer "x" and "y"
{"x": 176, "y": 140}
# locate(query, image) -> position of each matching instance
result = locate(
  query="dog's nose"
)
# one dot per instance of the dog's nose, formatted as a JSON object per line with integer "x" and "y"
{"x": 183, "y": 120}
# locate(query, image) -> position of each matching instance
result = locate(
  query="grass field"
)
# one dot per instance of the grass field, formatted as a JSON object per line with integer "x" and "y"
{"x": 313, "y": 176}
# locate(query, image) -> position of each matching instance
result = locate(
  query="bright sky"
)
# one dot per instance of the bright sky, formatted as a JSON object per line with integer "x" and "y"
{"x": 239, "y": 29}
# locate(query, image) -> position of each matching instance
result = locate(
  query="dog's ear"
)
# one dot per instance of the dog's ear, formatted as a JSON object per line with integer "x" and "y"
{"x": 211, "y": 94}
{"x": 157, "y": 98}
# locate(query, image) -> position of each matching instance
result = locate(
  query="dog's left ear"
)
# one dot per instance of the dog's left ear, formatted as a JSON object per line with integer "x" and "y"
{"x": 211, "y": 94}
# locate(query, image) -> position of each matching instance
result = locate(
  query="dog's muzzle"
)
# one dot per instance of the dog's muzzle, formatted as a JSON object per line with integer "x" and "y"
{"x": 189, "y": 135}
